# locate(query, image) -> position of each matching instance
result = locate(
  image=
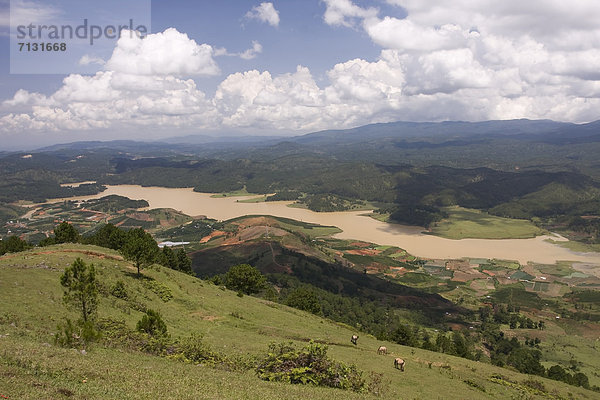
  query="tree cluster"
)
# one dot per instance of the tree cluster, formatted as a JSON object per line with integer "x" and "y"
{"x": 136, "y": 245}
{"x": 13, "y": 244}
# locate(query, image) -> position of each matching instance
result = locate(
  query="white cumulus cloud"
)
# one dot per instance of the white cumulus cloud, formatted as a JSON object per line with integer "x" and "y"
{"x": 247, "y": 54}
{"x": 345, "y": 13}
{"x": 165, "y": 53}
{"x": 265, "y": 12}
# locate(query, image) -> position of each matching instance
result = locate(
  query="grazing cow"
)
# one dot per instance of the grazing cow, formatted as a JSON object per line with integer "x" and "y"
{"x": 354, "y": 339}
{"x": 382, "y": 350}
{"x": 399, "y": 363}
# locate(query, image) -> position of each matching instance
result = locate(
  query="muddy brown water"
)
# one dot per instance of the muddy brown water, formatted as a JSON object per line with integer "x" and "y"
{"x": 355, "y": 225}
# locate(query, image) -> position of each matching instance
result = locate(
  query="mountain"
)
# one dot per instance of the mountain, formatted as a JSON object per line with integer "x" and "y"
{"x": 440, "y": 130}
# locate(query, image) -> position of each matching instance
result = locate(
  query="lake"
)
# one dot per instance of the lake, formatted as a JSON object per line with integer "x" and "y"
{"x": 355, "y": 225}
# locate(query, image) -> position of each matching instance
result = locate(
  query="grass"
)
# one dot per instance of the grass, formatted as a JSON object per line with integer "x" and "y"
{"x": 578, "y": 247}
{"x": 465, "y": 223}
{"x": 235, "y": 193}
{"x": 258, "y": 199}
{"x": 383, "y": 217}
{"x": 32, "y": 367}
{"x": 560, "y": 347}
{"x": 306, "y": 228}
{"x": 561, "y": 269}
{"x": 516, "y": 295}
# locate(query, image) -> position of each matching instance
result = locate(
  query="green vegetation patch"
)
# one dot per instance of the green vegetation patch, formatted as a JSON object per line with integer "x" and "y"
{"x": 585, "y": 296}
{"x": 258, "y": 199}
{"x": 517, "y": 296}
{"x": 189, "y": 232}
{"x": 541, "y": 286}
{"x": 521, "y": 276}
{"x": 159, "y": 289}
{"x": 114, "y": 203}
{"x": 10, "y": 212}
{"x": 577, "y": 246}
{"x": 561, "y": 269}
{"x": 369, "y": 260}
{"x": 233, "y": 193}
{"x": 465, "y": 223}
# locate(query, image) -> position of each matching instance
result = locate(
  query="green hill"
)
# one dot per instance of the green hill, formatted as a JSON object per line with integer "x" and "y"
{"x": 32, "y": 367}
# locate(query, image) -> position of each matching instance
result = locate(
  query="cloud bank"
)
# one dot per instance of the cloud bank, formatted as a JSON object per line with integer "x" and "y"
{"x": 459, "y": 60}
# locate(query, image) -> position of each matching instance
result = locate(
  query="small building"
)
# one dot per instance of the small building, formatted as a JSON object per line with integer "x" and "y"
{"x": 171, "y": 244}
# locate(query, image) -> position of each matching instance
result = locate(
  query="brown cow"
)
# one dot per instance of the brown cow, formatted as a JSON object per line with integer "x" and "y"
{"x": 382, "y": 350}
{"x": 399, "y": 363}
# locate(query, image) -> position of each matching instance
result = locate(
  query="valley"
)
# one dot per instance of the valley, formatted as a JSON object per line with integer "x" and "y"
{"x": 496, "y": 265}
{"x": 353, "y": 224}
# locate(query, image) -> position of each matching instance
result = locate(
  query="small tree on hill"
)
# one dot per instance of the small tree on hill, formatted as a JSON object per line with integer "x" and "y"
{"x": 184, "y": 263}
{"x": 66, "y": 233}
{"x": 152, "y": 324}
{"x": 167, "y": 258}
{"x": 81, "y": 288}
{"x": 140, "y": 248}
{"x": 245, "y": 279}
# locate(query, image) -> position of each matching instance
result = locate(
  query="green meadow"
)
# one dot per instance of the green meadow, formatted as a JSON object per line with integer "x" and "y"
{"x": 241, "y": 327}
{"x": 463, "y": 223}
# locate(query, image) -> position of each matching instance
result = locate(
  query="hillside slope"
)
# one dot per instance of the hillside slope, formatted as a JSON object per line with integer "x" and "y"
{"x": 31, "y": 367}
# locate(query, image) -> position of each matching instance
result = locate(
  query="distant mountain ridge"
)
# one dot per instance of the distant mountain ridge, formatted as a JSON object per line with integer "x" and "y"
{"x": 448, "y": 130}
{"x": 554, "y": 132}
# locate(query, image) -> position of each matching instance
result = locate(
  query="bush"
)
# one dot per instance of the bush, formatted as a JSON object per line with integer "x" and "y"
{"x": 152, "y": 324}
{"x": 77, "y": 335}
{"x": 160, "y": 289}
{"x": 195, "y": 350}
{"x": 118, "y": 290}
{"x": 310, "y": 365}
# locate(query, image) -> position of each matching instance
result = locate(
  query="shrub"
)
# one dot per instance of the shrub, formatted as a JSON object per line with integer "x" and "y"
{"x": 77, "y": 335}
{"x": 377, "y": 385}
{"x": 195, "y": 350}
{"x": 160, "y": 289}
{"x": 152, "y": 324}
{"x": 118, "y": 290}
{"x": 310, "y": 365}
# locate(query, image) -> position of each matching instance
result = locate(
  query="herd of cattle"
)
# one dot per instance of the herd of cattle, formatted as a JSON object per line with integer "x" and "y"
{"x": 398, "y": 362}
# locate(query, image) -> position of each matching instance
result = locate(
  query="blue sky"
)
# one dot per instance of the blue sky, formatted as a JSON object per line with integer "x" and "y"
{"x": 295, "y": 66}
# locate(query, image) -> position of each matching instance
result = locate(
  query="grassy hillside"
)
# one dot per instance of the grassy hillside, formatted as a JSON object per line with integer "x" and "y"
{"x": 469, "y": 223}
{"x": 32, "y": 367}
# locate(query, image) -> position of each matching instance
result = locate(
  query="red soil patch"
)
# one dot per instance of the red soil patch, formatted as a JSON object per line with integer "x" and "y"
{"x": 213, "y": 234}
{"x": 360, "y": 244}
{"x": 365, "y": 252}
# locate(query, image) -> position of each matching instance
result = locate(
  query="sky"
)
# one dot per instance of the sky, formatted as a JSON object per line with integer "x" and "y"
{"x": 289, "y": 67}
